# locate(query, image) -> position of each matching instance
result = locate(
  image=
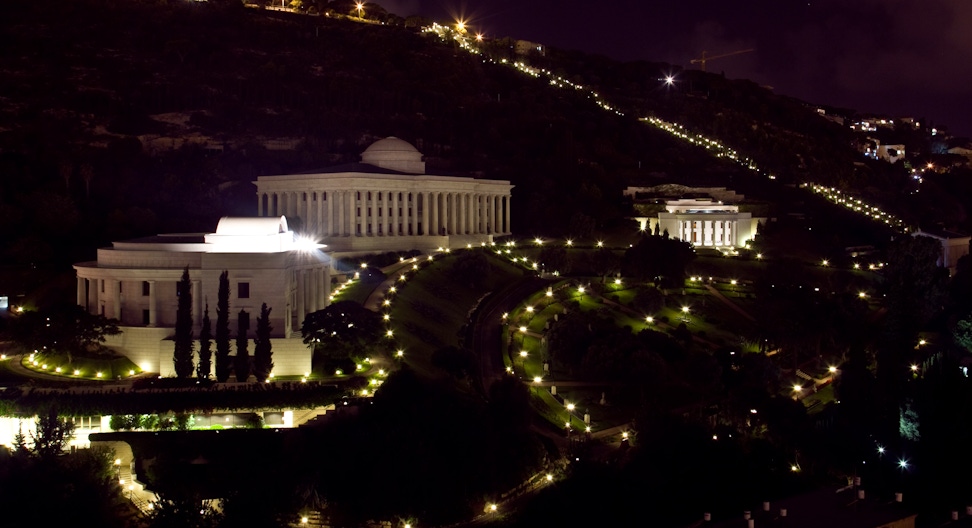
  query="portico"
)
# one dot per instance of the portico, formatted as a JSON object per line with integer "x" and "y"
{"x": 703, "y": 223}
{"x": 387, "y": 202}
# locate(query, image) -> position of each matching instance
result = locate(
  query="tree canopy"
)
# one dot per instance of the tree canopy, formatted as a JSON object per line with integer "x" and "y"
{"x": 344, "y": 326}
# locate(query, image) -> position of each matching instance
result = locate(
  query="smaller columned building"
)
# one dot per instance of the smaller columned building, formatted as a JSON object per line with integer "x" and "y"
{"x": 135, "y": 281}
{"x": 388, "y": 202}
{"x": 703, "y": 223}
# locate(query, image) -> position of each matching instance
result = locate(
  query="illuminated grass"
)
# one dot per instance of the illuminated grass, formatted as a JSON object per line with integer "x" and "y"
{"x": 431, "y": 308}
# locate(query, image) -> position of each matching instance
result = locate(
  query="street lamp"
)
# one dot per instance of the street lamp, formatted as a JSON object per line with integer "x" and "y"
{"x": 360, "y": 7}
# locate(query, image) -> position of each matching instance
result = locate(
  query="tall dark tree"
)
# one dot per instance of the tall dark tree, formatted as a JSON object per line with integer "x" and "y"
{"x": 205, "y": 347}
{"x": 262, "y": 348}
{"x": 53, "y": 434}
{"x": 182, "y": 355}
{"x": 915, "y": 291}
{"x": 222, "y": 329}
{"x": 241, "y": 366}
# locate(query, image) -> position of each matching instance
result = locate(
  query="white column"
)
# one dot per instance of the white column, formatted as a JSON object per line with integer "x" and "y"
{"x": 321, "y": 213}
{"x": 115, "y": 286}
{"x": 314, "y": 289}
{"x": 413, "y": 211}
{"x": 474, "y": 214}
{"x": 717, "y": 235}
{"x": 507, "y": 229}
{"x": 434, "y": 225}
{"x": 453, "y": 203}
{"x": 99, "y": 297}
{"x": 393, "y": 218}
{"x": 374, "y": 212}
{"x": 260, "y": 203}
{"x": 301, "y": 293}
{"x": 460, "y": 213}
{"x": 490, "y": 215}
{"x": 153, "y": 304}
{"x": 338, "y": 213}
{"x": 197, "y": 303}
{"x": 359, "y": 199}
{"x": 82, "y": 298}
{"x": 351, "y": 212}
{"x": 477, "y": 213}
{"x": 425, "y": 213}
{"x": 497, "y": 224}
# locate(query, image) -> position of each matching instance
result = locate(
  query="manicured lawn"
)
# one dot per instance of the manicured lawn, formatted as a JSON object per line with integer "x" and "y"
{"x": 110, "y": 368}
{"x": 432, "y": 306}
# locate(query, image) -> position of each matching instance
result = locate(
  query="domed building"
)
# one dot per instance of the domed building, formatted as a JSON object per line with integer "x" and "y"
{"x": 387, "y": 202}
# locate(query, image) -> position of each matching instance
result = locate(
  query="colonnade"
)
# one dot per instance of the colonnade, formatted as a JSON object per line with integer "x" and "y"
{"x": 391, "y": 213}
{"x": 312, "y": 291}
{"x": 103, "y": 296}
{"x": 708, "y": 232}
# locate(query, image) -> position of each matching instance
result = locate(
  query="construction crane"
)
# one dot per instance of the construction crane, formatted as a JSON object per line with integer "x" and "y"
{"x": 702, "y": 60}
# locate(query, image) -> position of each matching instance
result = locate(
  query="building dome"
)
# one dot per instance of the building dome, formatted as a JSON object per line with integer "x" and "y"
{"x": 395, "y": 154}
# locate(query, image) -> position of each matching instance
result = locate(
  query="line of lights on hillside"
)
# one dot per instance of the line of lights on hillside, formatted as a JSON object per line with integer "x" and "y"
{"x": 467, "y": 43}
{"x": 714, "y": 147}
{"x": 857, "y": 205}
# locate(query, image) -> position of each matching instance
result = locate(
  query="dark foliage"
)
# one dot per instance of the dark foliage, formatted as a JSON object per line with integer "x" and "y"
{"x": 241, "y": 362}
{"x": 262, "y": 347}
{"x": 204, "y": 368}
{"x": 182, "y": 355}
{"x": 223, "y": 365}
{"x": 345, "y": 327}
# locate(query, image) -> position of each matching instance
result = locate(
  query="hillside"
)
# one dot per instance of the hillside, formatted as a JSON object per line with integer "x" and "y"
{"x": 124, "y": 119}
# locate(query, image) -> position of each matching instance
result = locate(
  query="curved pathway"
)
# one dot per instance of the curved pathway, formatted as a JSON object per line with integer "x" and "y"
{"x": 373, "y": 302}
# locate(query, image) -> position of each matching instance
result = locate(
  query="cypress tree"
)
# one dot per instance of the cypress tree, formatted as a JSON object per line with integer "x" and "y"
{"x": 182, "y": 355}
{"x": 242, "y": 364}
{"x": 222, "y": 329}
{"x": 263, "y": 349}
{"x": 205, "y": 347}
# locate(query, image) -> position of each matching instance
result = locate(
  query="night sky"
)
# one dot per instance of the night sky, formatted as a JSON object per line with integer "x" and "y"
{"x": 901, "y": 57}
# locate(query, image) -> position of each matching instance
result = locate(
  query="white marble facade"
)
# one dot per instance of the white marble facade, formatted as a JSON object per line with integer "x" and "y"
{"x": 135, "y": 282}
{"x": 388, "y": 203}
{"x": 704, "y": 223}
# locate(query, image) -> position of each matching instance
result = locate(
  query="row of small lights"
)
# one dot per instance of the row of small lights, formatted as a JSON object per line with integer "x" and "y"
{"x": 720, "y": 150}
{"x": 857, "y": 205}
{"x": 34, "y": 362}
{"x": 470, "y": 45}
{"x": 716, "y": 147}
{"x": 539, "y": 379}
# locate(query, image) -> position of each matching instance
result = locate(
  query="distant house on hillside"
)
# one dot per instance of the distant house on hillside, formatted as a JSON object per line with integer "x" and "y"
{"x": 889, "y": 153}
{"x": 954, "y": 246}
{"x": 525, "y": 47}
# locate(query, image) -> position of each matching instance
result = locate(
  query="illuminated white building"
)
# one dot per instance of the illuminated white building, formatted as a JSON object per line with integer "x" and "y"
{"x": 703, "y": 223}
{"x": 387, "y": 202}
{"x": 135, "y": 282}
